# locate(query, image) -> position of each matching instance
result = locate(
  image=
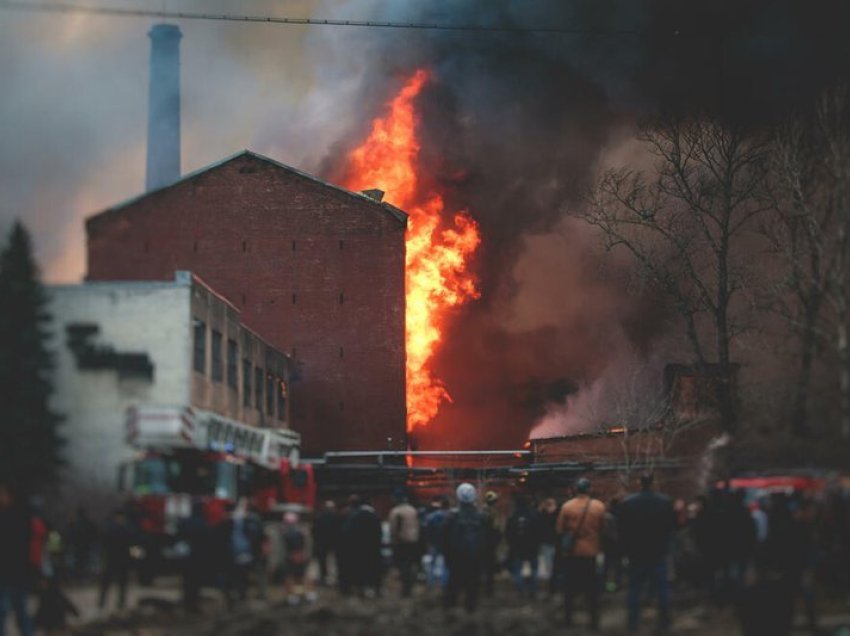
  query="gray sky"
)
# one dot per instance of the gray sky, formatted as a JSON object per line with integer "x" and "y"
{"x": 74, "y": 98}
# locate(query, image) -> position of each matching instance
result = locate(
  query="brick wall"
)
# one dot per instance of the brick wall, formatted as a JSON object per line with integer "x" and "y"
{"x": 317, "y": 272}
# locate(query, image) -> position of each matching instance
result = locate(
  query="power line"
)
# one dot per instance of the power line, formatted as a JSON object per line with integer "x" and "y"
{"x": 61, "y": 7}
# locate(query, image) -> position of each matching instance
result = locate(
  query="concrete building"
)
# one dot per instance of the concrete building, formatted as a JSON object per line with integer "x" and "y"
{"x": 123, "y": 345}
{"x": 316, "y": 270}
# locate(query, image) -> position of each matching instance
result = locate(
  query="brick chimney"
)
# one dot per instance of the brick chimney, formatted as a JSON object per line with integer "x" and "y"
{"x": 163, "y": 167}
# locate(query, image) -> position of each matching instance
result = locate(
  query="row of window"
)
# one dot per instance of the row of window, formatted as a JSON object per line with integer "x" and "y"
{"x": 268, "y": 391}
{"x": 146, "y": 246}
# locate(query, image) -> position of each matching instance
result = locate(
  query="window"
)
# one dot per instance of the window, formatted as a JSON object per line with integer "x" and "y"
{"x": 281, "y": 399}
{"x": 216, "y": 356}
{"x": 341, "y": 352}
{"x": 341, "y": 298}
{"x": 246, "y": 382}
{"x": 270, "y": 394}
{"x": 200, "y": 347}
{"x": 258, "y": 389}
{"x": 232, "y": 364}
{"x": 293, "y": 246}
{"x": 294, "y": 298}
{"x": 244, "y": 246}
{"x": 341, "y": 244}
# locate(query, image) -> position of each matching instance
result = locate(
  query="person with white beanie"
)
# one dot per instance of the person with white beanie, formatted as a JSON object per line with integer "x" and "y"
{"x": 465, "y": 547}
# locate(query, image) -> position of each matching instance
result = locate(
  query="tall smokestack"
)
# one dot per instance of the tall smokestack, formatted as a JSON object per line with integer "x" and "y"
{"x": 164, "y": 107}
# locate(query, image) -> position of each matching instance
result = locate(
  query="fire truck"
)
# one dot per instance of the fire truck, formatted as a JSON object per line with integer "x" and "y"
{"x": 190, "y": 458}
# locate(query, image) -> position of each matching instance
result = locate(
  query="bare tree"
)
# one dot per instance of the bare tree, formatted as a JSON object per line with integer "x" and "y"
{"x": 683, "y": 224}
{"x": 810, "y": 231}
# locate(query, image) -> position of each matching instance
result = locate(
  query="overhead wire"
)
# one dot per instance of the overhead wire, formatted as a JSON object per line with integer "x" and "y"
{"x": 66, "y": 7}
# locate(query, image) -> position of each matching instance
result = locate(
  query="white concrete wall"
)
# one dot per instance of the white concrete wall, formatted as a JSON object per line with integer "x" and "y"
{"x": 148, "y": 317}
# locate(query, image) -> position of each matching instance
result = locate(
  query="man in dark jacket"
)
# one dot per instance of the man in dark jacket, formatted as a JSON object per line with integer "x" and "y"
{"x": 326, "y": 530}
{"x": 465, "y": 546}
{"x": 361, "y": 543}
{"x": 16, "y": 570}
{"x": 523, "y": 535}
{"x": 646, "y": 523}
{"x": 117, "y": 539}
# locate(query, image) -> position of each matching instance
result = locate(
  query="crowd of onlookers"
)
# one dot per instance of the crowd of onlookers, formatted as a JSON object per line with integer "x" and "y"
{"x": 761, "y": 555}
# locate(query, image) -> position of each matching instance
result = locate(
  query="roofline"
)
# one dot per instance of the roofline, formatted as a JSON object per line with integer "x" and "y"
{"x": 399, "y": 214}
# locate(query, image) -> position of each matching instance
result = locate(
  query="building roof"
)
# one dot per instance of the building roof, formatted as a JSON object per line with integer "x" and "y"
{"x": 395, "y": 212}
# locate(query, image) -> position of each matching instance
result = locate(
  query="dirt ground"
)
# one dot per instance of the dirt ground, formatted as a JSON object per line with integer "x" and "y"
{"x": 156, "y": 612}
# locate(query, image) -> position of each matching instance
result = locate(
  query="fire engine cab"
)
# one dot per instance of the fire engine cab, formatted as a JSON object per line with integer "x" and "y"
{"x": 189, "y": 458}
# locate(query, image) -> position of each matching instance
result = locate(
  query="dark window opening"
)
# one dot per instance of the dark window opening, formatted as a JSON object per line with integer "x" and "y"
{"x": 293, "y": 246}
{"x": 258, "y": 389}
{"x": 246, "y": 382}
{"x": 244, "y": 299}
{"x": 232, "y": 364}
{"x": 216, "y": 356}
{"x": 341, "y": 244}
{"x": 270, "y": 394}
{"x": 294, "y": 298}
{"x": 200, "y": 347}
{"x": 244, "y": 246}
{"x": 341, "y": 298}
{"x": 341, "y": 352}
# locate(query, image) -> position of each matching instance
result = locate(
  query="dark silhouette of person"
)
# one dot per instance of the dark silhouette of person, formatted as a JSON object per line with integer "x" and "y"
{"x": 326, "y": 529}
{"x": 118, "y": 537}
{"x": 647, "y": 523}
{"x": 16, "y": 570}
{"x": 464, "y": 546}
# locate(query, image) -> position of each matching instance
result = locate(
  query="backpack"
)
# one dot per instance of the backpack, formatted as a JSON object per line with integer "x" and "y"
{"x": 467, "y": 534}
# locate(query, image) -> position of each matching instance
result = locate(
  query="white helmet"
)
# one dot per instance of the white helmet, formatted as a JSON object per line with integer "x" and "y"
{"x": 466, "y": 493}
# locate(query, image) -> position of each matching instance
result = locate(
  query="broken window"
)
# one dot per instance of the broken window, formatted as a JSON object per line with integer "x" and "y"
{"x": 216, "y": 356}
{"x": 246, "y": 382}
{"x": 232, "y": 363}
{"x": 200, "y": 347}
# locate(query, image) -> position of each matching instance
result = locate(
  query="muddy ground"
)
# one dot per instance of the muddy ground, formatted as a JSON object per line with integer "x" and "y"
{"x": 158, "y": 614}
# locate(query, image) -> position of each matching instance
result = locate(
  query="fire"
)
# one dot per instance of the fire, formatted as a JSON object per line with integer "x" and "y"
{"x": 439, "y": 244}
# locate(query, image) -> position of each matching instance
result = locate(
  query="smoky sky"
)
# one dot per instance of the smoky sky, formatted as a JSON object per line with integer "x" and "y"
{"x": 513, "y": 127}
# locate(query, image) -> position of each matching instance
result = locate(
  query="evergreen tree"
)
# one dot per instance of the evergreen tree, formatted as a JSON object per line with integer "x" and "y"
{"x": 29, "y": 441}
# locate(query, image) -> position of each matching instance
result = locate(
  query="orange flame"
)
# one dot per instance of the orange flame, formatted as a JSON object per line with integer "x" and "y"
{"x": 439, "y": 245}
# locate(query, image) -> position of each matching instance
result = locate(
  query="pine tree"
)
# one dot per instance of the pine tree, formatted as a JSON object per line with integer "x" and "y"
{"x": 30, "y": 445}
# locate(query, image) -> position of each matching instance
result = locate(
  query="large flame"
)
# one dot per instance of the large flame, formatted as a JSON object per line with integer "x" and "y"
{"x": 439, "y": 244}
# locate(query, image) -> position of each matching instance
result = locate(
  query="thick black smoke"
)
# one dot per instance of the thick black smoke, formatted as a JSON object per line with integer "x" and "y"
{"x": 514, "y": 126}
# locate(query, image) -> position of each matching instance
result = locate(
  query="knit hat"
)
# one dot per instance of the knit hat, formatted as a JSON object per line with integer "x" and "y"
{"x": 466, "y": 493}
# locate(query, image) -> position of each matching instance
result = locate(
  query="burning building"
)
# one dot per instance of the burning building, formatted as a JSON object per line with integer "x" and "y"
{"x": 315, "y": 269}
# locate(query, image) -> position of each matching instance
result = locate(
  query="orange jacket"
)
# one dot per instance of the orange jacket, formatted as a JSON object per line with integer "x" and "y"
{"x": 588, "y": 541}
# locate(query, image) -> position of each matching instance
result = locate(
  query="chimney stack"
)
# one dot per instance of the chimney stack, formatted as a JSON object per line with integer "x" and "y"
{"x": 164, "y": 107}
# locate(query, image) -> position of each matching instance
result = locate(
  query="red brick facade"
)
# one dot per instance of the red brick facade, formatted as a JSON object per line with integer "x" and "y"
{"x": 314, "y": 269}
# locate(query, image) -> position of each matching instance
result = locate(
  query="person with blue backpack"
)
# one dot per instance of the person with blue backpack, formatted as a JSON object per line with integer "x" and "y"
{"x": 465, "y": 546}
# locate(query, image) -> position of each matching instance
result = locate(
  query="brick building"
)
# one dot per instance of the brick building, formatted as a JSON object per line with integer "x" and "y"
{"x": 316, "y": 270}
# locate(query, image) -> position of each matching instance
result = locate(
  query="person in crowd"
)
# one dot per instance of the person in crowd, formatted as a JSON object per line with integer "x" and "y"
{"x": 523, "y": 536}
{"x": 495, "y": 530}
{"x": 547, "y": 518}
{"x": 245, "y": 531}
{"x": 612, "y": 563}
{"x": 82, "y": 539}
{"x": 326, "y": 529}
{"x": 436, "y": 572}
{"x": 361, "y": 542}
{"x": 17, "y": 571}
{"x": 647, "y": 524}
{"x": 404, "y": 537}
{"x": 198, "y": 564}
{"x": 53, "y": 607}
{"x": 296, "y": 559}
{"x": 117, "y": 540}
{"x": 580, "y": 525}
{"x": 344, "y": 548}
{"x": 464, "y": 547}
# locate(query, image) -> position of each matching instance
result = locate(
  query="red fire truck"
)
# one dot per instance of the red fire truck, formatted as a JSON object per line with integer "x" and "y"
{"x": 189, "y": 457}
